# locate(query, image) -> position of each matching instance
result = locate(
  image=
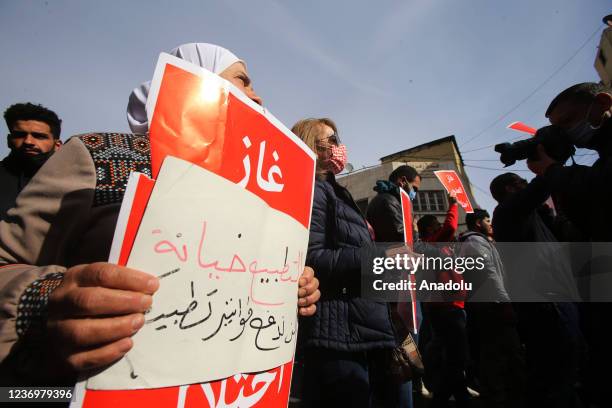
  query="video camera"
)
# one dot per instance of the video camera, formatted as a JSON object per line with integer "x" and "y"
{"x": 555, "y": 141}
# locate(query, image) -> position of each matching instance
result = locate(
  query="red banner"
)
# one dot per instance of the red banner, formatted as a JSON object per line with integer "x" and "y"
{"x": 226, "y": 136}
{"x": 409, "y": 240}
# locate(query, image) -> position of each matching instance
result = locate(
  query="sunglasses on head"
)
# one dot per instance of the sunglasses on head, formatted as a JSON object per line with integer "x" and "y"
{"x": 21, "y": 134}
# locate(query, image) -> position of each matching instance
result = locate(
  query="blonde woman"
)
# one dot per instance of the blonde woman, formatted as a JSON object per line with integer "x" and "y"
{"x": 345, "y": 343}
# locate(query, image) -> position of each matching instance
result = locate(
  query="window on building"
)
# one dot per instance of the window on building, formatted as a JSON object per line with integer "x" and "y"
{"x": 430, "y": 201}
{"x": 362, "y": 204}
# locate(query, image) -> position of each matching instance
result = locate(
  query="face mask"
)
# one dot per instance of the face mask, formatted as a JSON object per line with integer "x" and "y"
{"x": 581, "y": 135}
{"x": 408, "y": 189}
{"x": 337, "y": 160}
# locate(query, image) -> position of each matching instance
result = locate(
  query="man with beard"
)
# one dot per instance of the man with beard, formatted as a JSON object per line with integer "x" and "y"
{"x": 33, "y": 138}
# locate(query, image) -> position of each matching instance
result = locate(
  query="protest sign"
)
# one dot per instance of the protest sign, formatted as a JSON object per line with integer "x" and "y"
{"x": 228, "y": 265}
{"x": 225, "y": 229}
{"x": 407, "y": 218}
{"x": 452, "y": 183}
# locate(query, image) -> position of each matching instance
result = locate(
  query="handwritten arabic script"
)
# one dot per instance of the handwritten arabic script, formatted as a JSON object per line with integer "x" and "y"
{"x": 228, "y": 266}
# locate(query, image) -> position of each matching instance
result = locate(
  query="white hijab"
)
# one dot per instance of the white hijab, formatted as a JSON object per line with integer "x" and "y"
{"x": 212, "y": 57}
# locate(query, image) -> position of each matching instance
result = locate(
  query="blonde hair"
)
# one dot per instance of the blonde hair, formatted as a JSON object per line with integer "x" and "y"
{"x": 309, "y": 129}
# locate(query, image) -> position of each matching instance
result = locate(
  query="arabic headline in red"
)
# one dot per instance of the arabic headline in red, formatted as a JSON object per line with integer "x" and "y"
{"x": 261, "y": 390}
{"x": 207, "y": 125}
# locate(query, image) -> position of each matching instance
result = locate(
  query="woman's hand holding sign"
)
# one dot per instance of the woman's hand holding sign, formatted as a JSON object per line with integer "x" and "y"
{"x": 308, "y": 293}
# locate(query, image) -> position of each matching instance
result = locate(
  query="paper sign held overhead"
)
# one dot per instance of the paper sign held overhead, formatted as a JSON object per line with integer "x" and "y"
{"x": 452, "y": 183}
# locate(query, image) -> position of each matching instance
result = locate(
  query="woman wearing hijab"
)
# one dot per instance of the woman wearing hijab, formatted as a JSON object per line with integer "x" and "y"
{"x": 212, "y": 57}
{"x": 65, "y": 309}
{"x": 346, "y": 341}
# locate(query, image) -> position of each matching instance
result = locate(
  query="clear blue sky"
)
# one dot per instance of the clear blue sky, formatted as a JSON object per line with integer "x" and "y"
{"x": 392, "y": 74}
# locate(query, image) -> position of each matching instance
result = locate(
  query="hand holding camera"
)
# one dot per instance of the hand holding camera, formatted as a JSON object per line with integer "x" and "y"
{"x": 554, "y": 142}
{"x": 540, "y": 162}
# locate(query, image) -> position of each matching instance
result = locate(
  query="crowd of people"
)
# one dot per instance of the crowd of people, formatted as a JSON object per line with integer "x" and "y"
{"x": 66, "y": 311}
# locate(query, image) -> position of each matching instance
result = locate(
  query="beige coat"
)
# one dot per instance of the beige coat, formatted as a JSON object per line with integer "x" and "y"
{"x": 55, "y": 225}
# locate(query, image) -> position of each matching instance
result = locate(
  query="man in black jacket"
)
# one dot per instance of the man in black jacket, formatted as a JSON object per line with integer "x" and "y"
{"x": 539, "y": 272}
{"x": 34, "y": 136}
{"x": 385, "y": 210}
{"x": 584, "y": 111}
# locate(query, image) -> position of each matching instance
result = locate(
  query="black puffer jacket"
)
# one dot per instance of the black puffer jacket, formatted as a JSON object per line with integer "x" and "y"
{"x": 343, "y": 321}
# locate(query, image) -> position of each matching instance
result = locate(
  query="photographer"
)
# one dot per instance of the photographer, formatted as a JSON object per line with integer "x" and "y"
{"x": 583, "y": 111}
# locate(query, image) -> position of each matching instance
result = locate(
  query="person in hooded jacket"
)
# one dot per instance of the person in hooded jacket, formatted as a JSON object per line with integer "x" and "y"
{"x": 385, "y": 210}
{"x": 345, "y": 343}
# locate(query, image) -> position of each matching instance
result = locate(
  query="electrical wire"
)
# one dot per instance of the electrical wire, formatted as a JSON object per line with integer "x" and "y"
{"x": 481, "y": 160}
{"x": 491, "y": 168}
{"x": 419, "y": 158}
{"x": 525, "y": 99}
{"x": 494, "y": 144}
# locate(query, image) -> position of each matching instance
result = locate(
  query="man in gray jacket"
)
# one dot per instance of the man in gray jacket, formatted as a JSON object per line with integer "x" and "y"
{"x": 488, "y": 283}
{"x": 501, "y": 366}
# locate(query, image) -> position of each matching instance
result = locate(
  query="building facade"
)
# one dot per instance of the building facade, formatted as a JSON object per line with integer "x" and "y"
{"x": 440, "y": 154}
